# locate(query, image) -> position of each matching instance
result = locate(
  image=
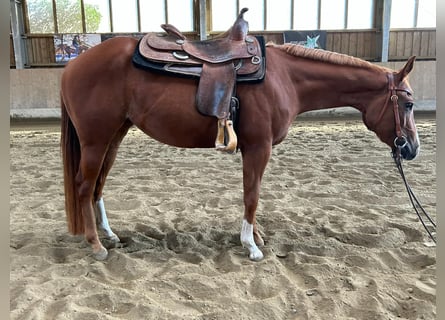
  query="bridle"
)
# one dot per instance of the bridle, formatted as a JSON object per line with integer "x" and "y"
{"x": 400, "y": 142}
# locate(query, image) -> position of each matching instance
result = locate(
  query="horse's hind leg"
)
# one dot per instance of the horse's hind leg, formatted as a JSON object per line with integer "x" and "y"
{"x": 101, "y": 214}
{"x": 102, "y": 221}
{"x": 90, "y": 165}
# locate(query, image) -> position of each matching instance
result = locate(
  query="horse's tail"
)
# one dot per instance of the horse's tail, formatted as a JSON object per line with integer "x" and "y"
{"x": 71, "y": 158}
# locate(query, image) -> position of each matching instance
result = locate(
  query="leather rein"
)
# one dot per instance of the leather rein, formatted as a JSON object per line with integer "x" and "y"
{"x": 400, "y": 142}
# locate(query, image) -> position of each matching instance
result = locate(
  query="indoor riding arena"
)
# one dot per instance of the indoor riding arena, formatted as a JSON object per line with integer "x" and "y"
{"x": 311, "y": 195}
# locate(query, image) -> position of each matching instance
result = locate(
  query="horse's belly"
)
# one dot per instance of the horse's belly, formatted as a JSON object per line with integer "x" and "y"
{"x": 180, "y": 131}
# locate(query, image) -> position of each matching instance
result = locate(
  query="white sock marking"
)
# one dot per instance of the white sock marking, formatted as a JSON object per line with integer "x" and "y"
{"x": 248, "y": 241}
{"x": 103, "y": 221}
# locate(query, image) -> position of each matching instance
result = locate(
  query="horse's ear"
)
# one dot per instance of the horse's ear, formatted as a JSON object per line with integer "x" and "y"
{"x": 407, "y": 68}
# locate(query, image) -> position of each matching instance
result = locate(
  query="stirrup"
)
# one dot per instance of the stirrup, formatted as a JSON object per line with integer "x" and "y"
{"x": 223, "y": 125}
{"x": 219, "y": 142}
{"x": 233, "y": 140}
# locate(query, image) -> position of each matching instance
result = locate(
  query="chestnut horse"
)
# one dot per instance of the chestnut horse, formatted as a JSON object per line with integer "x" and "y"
{"x": 103, "y": 94}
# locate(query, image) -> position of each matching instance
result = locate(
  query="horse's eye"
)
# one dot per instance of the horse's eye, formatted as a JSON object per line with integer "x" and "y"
{"x": 409, "y": 105}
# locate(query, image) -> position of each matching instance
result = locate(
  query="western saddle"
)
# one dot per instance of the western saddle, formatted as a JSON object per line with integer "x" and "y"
{"x": 219, "y": 63}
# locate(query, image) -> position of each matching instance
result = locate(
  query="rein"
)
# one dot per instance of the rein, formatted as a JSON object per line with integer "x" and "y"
{"x": 400, "y": 142}
{"x": 414, "y": 201}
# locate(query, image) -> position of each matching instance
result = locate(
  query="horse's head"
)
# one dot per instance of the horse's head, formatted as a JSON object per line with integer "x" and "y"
{"x": 392, "y": 119}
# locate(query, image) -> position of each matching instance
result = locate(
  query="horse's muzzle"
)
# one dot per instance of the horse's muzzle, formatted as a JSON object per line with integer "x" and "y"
{"x": 409, "y": 151}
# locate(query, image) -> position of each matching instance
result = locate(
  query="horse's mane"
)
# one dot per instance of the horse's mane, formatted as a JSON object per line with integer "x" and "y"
{"x": 325, "y": 56}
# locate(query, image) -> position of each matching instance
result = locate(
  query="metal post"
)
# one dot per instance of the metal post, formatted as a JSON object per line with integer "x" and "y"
{"x": 386, "y": 17}
{"x": 202, "y": 20}
{"x": 17, "y": 33}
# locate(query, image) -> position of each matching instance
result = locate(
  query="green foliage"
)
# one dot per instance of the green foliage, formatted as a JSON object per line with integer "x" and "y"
{"x": 92, "y": 17}
{"x": 69, "y": 16}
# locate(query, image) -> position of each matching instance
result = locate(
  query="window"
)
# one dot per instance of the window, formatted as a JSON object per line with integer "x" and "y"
{"x": 223, "y": 14}
{"x": 413, "y": 14}
{"x": 97, "y": 16}
{"x": 306, "y": 14}
{"x": 152, "y": 14}
{"x": 40, "y": 15}
{"x": 402, "y": 14}
{"x": 124, "y": 15}
{"x": 426, "y": 15}
{"x": 69, "y": 16}
{"x": 278, "y": 15}
{"x": 180, "y": 13}
{"x": 332, "y": 14}
{"x": 360, "y": 14}
{"x": 102, "y": 16}
{"x": 255, "y": 15}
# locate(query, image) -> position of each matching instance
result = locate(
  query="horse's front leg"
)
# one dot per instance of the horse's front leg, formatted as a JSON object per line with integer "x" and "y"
{"x": 254, "y": 163}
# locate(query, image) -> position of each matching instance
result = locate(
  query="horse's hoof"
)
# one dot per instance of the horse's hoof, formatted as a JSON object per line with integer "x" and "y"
{"x": 101, "y": 255}
{"x": 256, "y": 255}
{"x": 114, "y": 238}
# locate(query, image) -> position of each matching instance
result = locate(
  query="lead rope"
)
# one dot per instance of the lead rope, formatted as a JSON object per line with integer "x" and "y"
{"x": 412, "y": 197}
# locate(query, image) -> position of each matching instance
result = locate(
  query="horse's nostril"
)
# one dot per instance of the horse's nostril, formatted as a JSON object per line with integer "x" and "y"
{"x": 408, "y": 152}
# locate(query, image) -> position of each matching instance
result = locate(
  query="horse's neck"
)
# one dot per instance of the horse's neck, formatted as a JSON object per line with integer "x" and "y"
{"x": 323, "y": 85}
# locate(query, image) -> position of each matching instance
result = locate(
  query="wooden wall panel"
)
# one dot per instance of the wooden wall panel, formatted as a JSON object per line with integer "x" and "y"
{"x": 400, "y": 36}
{"x": 40, "y": 50}
{"x": 353, "y": 44}
{"x": 370, "y": 45}
{"x": 424, "y": 41}
{"x": 404, "y": 43}
{"x": 361, "y": 44}
{"x": 432, "y": 44}
{"x": 416, "y": 42}
{"x": 408, "y": 45}
{"x": 345, "y": 43}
